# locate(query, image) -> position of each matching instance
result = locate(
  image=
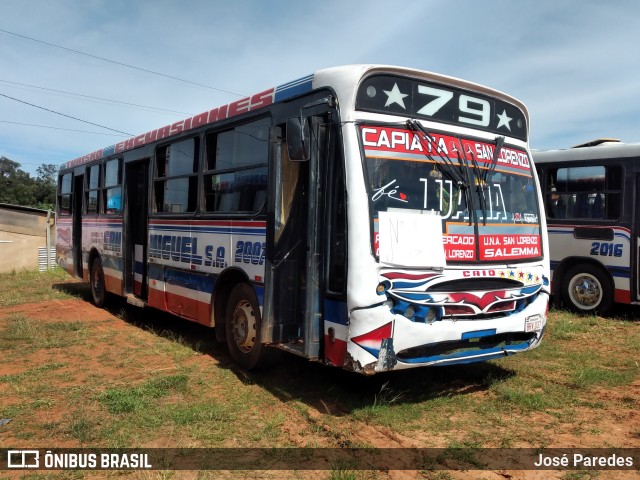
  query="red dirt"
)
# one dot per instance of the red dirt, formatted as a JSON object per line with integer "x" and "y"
{"x": 112, "y": 336}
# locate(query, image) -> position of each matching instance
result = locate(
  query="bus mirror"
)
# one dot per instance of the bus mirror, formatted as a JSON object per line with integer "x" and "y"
{"x": 298, "y": 136}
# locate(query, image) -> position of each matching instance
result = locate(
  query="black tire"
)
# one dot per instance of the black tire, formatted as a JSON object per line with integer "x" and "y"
{"x": 243, "y": 323}
{"x": 586, "y": 288}
{"x": 96, "y": 280}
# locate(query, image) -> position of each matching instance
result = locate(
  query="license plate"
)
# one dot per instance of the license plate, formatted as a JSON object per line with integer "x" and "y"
{"x": 533, "y": 324}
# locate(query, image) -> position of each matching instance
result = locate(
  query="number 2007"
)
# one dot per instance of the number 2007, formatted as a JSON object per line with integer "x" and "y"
{"x": 250, "y": 252}
{"x": 606, "y": 249}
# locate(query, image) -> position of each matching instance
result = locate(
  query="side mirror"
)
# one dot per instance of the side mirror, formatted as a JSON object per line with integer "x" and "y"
{"x": 298, "y": 139}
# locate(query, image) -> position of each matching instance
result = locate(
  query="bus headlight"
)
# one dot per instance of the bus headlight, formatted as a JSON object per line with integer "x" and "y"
{"x": 410, "y": 312}
{"x": 382, "y": 288}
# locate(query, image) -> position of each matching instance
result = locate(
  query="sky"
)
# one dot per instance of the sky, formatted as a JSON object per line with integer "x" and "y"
{"x": 574, "y": 63}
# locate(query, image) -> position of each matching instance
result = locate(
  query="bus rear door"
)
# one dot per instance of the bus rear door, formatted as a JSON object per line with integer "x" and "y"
{"x": 135, "y": 230}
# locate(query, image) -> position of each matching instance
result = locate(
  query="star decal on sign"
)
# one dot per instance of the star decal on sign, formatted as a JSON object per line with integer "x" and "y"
{"x": 395, "y": 96}
{"x": 504, "y": 120}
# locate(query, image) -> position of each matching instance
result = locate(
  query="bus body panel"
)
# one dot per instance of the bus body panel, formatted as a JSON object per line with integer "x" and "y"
{"x": 614, "y": 256}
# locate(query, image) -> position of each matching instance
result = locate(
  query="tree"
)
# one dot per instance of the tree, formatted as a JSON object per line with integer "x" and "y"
{"x": 48, "y": 174}
{"x": 45, "y": 186}
{"x": 18, "y": 188}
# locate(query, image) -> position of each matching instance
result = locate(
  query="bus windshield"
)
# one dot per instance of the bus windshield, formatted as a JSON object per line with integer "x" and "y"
{"x": 487, "y": 204}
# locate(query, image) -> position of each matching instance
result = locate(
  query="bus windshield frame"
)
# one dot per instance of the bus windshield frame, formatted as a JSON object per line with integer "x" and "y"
{"x": 495, "y": 216}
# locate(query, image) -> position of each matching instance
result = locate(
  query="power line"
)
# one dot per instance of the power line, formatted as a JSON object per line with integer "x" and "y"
{"x": 95, "y": 98}
{"x": 58, "y": 128}
{"x": 64, "y": 115}
{"x": 121, "y": 63}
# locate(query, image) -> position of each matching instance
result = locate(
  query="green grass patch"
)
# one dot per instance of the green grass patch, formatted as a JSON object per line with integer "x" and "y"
{"x": 588, "y": 376}
{"x": 26, "y": 286}
{"x": 136, "y": 399}
{"x": 22, "y": 332}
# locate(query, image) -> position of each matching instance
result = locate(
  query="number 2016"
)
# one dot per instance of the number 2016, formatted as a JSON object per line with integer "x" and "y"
{"x": 606, "y": 249}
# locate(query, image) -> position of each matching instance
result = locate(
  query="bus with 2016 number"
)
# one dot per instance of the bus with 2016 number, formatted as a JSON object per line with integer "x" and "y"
{"x": 373, "y": 218}
{"x": 591, "y": 194}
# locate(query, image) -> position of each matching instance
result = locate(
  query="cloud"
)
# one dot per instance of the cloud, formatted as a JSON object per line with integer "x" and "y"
{"x": 571, "y": 62}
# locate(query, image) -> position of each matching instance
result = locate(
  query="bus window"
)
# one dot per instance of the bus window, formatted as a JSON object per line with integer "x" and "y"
{"x": 590, "y": 192}
{"x": 64, "y": 196}
{"x": 92, "y": 189}
{"x": 236, "y": 176}
{"x": 112, "y": 192}
{"x": 176, "y": 185}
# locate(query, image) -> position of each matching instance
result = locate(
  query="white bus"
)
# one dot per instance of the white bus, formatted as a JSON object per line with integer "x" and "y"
{"x": 591, "y": 195}
{"x": 368, "y": 217}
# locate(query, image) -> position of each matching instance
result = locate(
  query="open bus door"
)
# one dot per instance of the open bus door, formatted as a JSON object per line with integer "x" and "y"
{"x": 293, "y": 306}
{"x": 78, "y": 194}
{"x": 135, "y": 231}
{"x": 635, "y": 242}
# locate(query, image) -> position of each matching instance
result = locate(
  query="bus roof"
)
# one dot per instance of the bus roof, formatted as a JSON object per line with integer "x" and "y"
{"x": 345, "y": 76}
{"x": 594, "y": 150}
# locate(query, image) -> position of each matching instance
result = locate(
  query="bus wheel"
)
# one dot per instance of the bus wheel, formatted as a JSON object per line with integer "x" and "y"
{"x": 587, "y": 289}
{"x": 98, "y": 290}
{"x": 242, "y": 327}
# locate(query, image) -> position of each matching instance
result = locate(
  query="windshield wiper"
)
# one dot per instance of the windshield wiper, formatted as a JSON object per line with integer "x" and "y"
{"x": 460, "y": 176}
{"x": 494, "y": 159}
{"x": 480, "y": 181}
{"x": 446, "y": 166}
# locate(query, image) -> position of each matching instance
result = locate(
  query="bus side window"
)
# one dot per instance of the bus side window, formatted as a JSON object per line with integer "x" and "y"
{"x": 235, "y": 176}
{"x": 176, "y": 184}
{"x": 92, "y": 189}
{"x": 112, "y": 191}
{"x": 64, "y": 195}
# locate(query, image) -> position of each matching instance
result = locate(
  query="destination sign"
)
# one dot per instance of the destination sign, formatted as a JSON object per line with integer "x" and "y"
{"x": 442, "y": 103}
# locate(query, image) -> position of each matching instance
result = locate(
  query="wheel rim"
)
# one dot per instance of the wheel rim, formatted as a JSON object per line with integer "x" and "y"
{"x": 585, "y": 291}
{"x": 98, "y": 288}
{"x": 243, "y": 326}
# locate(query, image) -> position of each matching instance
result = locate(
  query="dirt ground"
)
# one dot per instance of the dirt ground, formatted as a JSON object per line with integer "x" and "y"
{"x": 333, "y": 426}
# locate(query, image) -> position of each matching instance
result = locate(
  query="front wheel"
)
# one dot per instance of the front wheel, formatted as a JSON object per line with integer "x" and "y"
{"x": 98, "y": 289}
{"x": 242, "y": 327}
{"x": 587, "y": 289}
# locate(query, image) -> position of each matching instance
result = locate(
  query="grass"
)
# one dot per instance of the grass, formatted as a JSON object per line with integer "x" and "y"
{"x": 135, "y": 399}
{"x": 143, "y": 378}
{"x": 25, "y": 286}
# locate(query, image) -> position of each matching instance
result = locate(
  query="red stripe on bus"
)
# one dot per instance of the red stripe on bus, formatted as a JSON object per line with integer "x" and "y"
{"x": 622, "y": 296}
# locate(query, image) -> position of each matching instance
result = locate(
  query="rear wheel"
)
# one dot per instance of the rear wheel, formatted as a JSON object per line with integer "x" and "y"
{"x": 242, "y": 327}
{"x": 587, "y": 289}
{"x": 98, "y": 289}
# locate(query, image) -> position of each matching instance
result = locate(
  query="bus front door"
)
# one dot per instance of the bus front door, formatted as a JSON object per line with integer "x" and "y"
{"x": 293, "y": 307}
{"x": 135, "y": 228}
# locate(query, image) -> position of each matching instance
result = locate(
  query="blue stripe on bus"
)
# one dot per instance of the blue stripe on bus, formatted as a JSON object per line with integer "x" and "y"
{"x": 478, "y": 334}
{"x": 621, "y": 272}
{"x": 472, "y": 356}
{"x": 336, "y": 312}
{"x": 139, "y": 267}
{"x": 569, "y": 231}
{"x": 296, "y": 87}
{"x": 193, "y": 281}
{"x": 255, "y": 231}
{"x": 114, "y": 263}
